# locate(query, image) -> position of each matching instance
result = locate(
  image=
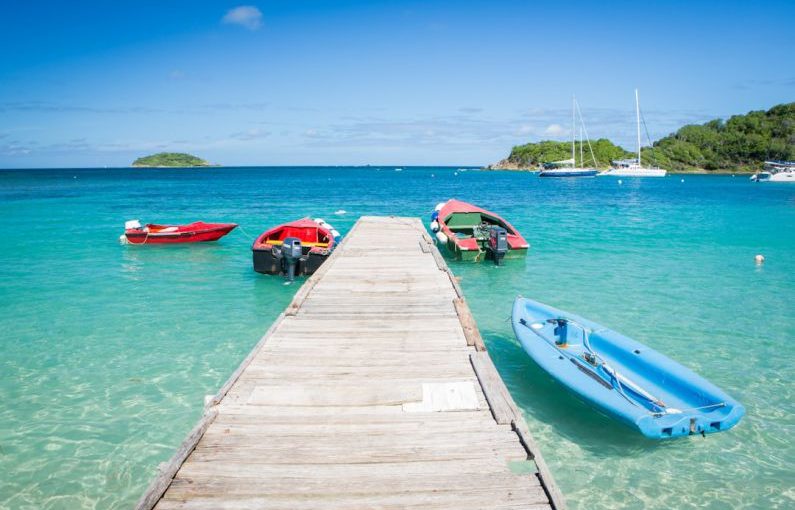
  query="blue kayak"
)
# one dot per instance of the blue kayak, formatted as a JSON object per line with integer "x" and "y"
{"x": 628, "y": 380}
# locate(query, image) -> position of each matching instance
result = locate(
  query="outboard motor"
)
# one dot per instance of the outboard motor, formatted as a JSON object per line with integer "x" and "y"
{"x": 498, "y": 243}
{"x": 291, "y": 254}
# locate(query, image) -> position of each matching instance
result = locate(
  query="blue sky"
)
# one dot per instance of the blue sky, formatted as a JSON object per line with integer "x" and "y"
{"x": 354, "y": 82}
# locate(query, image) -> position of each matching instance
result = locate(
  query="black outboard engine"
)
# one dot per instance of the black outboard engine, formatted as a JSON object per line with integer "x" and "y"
{"x": 498, "y": 243}
{"x": 291, "y": 254}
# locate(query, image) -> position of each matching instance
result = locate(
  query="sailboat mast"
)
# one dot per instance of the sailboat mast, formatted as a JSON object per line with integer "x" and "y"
{"x": 637, "y": 114}
{"x": 573, "y": 130}
{"x": 582, "y": 160}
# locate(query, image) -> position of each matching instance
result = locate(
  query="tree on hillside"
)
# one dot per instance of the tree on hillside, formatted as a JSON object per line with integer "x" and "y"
{"x": 742, "y": 141}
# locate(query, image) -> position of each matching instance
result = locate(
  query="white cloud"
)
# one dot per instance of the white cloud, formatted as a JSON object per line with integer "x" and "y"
{"x": 524, "y": 129}
{"x": 555, "y": 130}
{"x": 251, "y": 134}
{"x": 246, "y": 16}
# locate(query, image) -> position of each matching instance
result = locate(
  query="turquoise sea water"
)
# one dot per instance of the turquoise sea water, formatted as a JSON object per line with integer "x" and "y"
{"x": 107, "y": 350}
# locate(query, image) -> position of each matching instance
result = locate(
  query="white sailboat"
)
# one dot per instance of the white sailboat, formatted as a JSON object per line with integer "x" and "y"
{"x": 568, "y": 167}
{"x": 634, "y": 167}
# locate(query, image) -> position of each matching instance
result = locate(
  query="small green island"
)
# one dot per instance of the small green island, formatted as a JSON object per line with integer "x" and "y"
{"x": 169, "y": 160}
{"x": 740, "y": 144}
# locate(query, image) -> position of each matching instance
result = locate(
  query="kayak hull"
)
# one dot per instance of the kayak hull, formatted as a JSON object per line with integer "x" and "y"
{"x": 629, "y": 381}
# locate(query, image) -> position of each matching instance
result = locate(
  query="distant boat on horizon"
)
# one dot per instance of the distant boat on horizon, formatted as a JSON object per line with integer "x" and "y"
{"x": 633, "y": 167}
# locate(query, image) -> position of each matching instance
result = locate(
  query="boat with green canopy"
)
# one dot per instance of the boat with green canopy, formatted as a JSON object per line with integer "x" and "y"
{"x": 475, "y": 234}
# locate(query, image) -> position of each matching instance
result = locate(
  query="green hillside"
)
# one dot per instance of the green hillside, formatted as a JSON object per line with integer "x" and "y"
{"x": 170, "y": 159}
{"x": 532, "y": 155}
{"x": 743, "y": 142}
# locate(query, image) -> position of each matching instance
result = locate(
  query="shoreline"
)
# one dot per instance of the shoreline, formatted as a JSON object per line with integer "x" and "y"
{"x": 172, "y": 166}
{"x": 699, "y": 171}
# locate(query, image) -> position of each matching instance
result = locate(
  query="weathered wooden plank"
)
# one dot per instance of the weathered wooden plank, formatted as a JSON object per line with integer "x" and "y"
{"x": 312, "y": 280}
{"x": 493, "y": 388}
{"x": 273, "y": 454}
{"x": 462, "y": 500}
{"x": 257, "y": 392}
{"x": 372, "y": 325}
{"x": 468, "y": 323}
{"x": 368, "y": 393}
{"x": 346, "y": 356}
{"x": 250, "y": 441}
{"x": 339, "y": 395}
{"x": 167, "y": 472}
{"x": 465, "y": 469}
{"x": 232, "y": 406}
{"x": 319, "y": 429}
{"x": 544, "y": 474}
{"x": 505, "y": 410}
{"x": 391, "y": 342}
{"x": 420, "y": 371}
{"x": 326, "y": 416}
{"x": 371, "y": 485}
{"x": 246, "y": 361}
{"x": 442, "y": 265}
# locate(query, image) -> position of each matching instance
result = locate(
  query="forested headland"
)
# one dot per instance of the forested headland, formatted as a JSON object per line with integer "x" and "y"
{"x": 741, "y": 143}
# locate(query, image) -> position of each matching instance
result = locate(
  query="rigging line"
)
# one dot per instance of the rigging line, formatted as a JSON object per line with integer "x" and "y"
{"x": 582, "y": 121}
{"x": 719, "y": 404}
{"x": 243, "y": 231}
{"x": 645, "y": 128}
{"x": 620, "y": 389}
{"x": 633, "y": 386}
{"x": 610, "y": 370}
{"x": 586, "y": 341}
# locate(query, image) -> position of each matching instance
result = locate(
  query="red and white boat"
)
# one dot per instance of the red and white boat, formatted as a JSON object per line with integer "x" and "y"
{"x": 294, "y": 248}
{"x": 196, "y": 232}
{"x": 472, "y": 233}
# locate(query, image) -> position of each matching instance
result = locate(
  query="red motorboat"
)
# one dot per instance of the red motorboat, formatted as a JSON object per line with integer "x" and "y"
{"x": 196, "y": 232}
{"x": 472, "y": 233}
{"x": 298, "y": 247}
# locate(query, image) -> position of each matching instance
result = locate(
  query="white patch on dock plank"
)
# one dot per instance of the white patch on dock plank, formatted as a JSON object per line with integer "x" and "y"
{"x": 440, "y": 397}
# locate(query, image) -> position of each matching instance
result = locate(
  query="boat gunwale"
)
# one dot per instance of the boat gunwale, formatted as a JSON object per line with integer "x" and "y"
{"x": 261, "y": 241}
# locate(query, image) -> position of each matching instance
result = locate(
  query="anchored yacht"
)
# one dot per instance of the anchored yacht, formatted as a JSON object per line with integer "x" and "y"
{"x": 633, "y": 167}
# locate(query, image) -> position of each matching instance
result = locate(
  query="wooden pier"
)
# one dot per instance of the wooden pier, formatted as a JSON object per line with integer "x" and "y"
{"x": 372, "y": 390}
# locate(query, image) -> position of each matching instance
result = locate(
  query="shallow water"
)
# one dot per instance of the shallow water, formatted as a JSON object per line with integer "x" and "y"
{"x": 108, "y": 350}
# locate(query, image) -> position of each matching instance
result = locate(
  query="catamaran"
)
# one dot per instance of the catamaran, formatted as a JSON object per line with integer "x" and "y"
{"x": 633, "y": 167}
{"x": 568, "y": 167}
{"x": 776, "y": 171}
